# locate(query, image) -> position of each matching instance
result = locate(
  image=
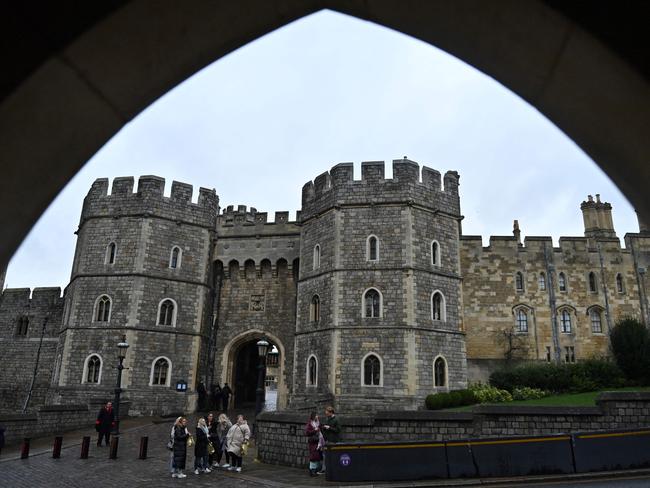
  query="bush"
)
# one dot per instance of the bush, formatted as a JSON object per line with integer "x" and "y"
{"x": 490, "y": 394}
{"x": 456, "y": 398}
{"x": 527, "y": 393}
{"x": 631, "y": 347}
{"x": 588, "y": 375}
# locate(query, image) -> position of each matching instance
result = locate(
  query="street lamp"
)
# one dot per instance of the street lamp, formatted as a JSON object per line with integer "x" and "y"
{"x": 122, "y": 346}
{"x": 262, "y": 348}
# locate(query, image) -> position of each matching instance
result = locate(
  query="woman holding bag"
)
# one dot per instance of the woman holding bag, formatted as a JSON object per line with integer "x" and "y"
{"x": 221, "y": 431}
{"x": 237, "y": 442}
{"x": 315, "y": 444}
{"x": 179, "y": 449}
{"x": 201, "y": 448}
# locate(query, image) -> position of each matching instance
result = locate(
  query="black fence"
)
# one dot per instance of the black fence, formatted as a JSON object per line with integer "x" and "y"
{"x": 490, "y": 457}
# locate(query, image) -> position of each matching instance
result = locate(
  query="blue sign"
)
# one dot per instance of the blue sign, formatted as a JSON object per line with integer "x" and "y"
{"x": 181, "y": 386}
{"x": 345, "y": 460}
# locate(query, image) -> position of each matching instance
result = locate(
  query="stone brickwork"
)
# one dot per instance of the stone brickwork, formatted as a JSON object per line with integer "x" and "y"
{"x": 405, "y": 215}
{"x": 491, "y": 300}
{"x": 143, "y": 271}
{"x": 22, "y": 314}
{"x": 281, "y": 437}
{"x": 257, "y": 294}
{"x": 235, "y": 277}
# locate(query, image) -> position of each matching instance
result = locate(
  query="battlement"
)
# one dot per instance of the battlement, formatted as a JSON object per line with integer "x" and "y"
{"x": 241, "y": 216}
{"x": 39, "y": 297}
{"x": 508, "y": 245}
{"x": 149, "y": 199}
{"x": 338, "y": 186}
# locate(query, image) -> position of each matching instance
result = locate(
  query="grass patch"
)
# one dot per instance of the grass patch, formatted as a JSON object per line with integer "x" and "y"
{"x": 587, "y": 399}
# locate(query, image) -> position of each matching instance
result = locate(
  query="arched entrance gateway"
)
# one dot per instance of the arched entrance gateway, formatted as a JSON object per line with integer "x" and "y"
{"x": 240, "y": 371}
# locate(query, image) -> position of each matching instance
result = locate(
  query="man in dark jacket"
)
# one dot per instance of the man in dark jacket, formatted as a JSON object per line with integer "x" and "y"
{"x": 331, "y": 430}
{"x": 105, "y": 422}
{"x": 225, "y": 397}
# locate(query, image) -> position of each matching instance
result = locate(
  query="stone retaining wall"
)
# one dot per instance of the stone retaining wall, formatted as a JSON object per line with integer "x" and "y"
{"x": 281, "y": 438}
{"x": 51, "y": 420}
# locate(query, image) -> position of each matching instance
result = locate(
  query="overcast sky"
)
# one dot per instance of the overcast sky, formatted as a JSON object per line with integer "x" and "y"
{"x": 259, "y": 123}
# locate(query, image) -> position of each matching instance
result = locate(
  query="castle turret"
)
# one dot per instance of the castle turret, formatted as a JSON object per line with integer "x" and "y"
{"x": 378, "y": 314}
{"x": 141, "y": 268}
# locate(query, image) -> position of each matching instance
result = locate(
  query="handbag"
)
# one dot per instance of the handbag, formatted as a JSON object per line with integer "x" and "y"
{"x": 210, "y": 448}
{"x": 244, "y": 449}
{"x": 190, "y": 440}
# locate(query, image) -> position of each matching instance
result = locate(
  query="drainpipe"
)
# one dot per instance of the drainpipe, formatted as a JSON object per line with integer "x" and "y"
{"x": 550, "y": 269}
{"x": 604, "y": 286}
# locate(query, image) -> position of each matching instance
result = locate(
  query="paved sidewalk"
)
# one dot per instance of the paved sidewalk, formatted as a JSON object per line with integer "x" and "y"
{"x": 40, "y": 470}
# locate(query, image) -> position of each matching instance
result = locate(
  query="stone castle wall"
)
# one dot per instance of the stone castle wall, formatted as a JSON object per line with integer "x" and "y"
{"x": 281, "y": 436}
{"x": 257, "y": 295}
{"x": 19, "y": 351}
{"x": 145, "y": 226}
{"x": 404, "y": 214}
{"x": 491, "y": 299}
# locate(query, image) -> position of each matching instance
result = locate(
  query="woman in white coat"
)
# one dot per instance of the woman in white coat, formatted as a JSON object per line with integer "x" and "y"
{"x": 237, "y": 437}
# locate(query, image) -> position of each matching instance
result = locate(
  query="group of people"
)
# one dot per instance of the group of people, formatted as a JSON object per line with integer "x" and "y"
{"x": 318, "y": 434}
{"x": 214, "y": 439}
{"x": 217, "y": 398}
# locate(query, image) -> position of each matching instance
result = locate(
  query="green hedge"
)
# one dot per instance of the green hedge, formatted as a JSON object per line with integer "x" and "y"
{"x": 456, "y": 398}
{"x": 588, "y": 375}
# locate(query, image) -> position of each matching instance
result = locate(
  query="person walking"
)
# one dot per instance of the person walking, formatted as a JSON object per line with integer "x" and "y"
{"x": 104, "y": 423}
{"x": 237, "y": 442}
{"x": 225, "y": 397}
{"x": 201, "y": 448}
{"x": 203, "y": 395}
{"x": 216, "y": 396}
{"x": 315, "y": 443}
{"x": 179, "y": 448}
{"x": 331, "y": 430}
{"x": 222, "y": 427}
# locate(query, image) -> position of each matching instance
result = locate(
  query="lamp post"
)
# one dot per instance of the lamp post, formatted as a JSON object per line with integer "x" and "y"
{"x": 122, "y": 346}
{"x": 262, "y": 348}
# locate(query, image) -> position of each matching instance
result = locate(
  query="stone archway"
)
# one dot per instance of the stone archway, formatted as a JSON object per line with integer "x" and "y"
{"x": 74, "y": 83}
{"x": 238, "y": 368}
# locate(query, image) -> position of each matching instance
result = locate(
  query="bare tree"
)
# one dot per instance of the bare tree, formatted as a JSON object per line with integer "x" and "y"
{"x": 514, "y": 344}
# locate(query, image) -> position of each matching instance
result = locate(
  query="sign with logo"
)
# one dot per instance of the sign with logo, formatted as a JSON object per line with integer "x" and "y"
{"x": 345, "y": 460}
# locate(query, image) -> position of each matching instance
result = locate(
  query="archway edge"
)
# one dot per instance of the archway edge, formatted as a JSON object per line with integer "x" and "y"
{"x": 84, "y": 93}
{"x": 233, "y": 345}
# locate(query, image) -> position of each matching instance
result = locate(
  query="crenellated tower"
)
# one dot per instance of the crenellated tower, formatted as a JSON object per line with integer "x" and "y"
{"x": 379, "y": 299}
{"x": 141, "y": 268}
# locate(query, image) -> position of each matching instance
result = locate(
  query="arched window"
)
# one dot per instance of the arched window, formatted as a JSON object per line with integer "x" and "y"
{"x": 435, "y": 253}
{"x": 92, "y": 369}
{"x": 314, "y": 309}
{"x": 312, "y": 371}
{"x": 167, "y": 312}
{"x": 22, "y": 325}
{"x": 595, "y": 315}
{"x": 561, "y": 280}
{"x": 438, "y": 306}
{"x": 521, "y": 320}
{"x": 519, "y": 281}
{"x": 372, "y": 304}
{"x": 592, "y": 282}
{"x": 175, "y": 257}
{"x": 565, "y": 321}
{"x": 111, "y": 251}
{"x": 541, "y": 281}
{"x": 161, "y": 369}
{"x": 371, "y": 370}
{"x": 619, "y": 283}
{"x": 316, "y": 261}
{"x": 103, "y": 309}
{"x": 372, "y": 248}
{"x": 439, "y": 372}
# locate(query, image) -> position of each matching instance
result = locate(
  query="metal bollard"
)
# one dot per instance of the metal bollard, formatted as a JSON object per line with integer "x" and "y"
{"x": 24, "y": 448}
{"x": 56, "y": 450}
{"x": 85, "y": 447}
{"x": 112, "y": 452}
{"x": 144, "y": 444}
